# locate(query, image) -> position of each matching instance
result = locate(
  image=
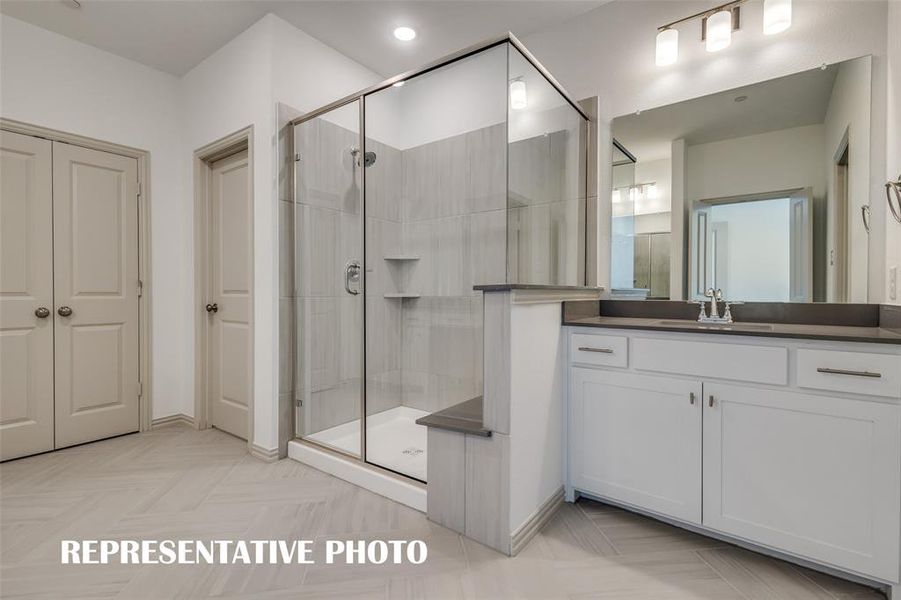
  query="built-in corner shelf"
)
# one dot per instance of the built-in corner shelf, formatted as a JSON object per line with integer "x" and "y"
{"x": 401, "y": 295}
{"x": 401, "y": 257}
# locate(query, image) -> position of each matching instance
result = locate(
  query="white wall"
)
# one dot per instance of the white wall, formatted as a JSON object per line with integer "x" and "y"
{"x": 537, "y": 399}
{"x": 767, "y": 162}
{"x": 53, "y": 81}
{"x": 849, "y": 114}
{"x": 609, "y": 52}
{"x": 893, "y": 140}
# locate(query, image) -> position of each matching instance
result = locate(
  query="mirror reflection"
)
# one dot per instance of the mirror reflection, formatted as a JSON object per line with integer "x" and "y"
{"x": 759, "y": 191}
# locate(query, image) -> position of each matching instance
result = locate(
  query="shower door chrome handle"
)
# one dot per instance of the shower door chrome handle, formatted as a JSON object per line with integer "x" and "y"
{"x": 352, "y": 276}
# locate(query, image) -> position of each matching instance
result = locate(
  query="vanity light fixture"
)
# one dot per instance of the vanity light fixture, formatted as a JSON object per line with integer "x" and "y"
{"x": 405, "y": 34}
{"x": 717, "y": 25}
{"x": 667, "y": 47}
{"x": 718, "y": 31}
{"x": 777, "y": 16}
{"x": 636, "y": 192}
{"x": 518, "y": 98}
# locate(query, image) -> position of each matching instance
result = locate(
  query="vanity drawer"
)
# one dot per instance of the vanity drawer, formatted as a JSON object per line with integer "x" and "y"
{"x": 854, "y": 372}
{"x": 602, "y": 350}
{"x": 738, "y": 362}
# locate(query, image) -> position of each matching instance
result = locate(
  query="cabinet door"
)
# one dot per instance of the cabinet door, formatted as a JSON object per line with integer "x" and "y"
{"x": 816, "y": 476}
{"x": 637, "y": 439}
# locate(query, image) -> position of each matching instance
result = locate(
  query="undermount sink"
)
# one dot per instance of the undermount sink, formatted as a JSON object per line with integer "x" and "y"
{"x": 726, "y": 326}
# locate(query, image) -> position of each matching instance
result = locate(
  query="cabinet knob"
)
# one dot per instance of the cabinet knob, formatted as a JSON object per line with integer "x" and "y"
{"x": 691, "y": 398}
{"x": 42, "y": 312}
{"x": 64, "y": 311}
{"x": 710, "y": 401}
{"x": 212, "y": 308}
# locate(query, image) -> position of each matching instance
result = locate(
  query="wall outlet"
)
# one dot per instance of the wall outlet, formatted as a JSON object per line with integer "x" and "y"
{"x": 893, "y": 283}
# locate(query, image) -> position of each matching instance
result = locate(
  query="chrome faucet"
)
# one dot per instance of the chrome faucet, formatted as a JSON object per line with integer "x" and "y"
{"x": 714, "y": 316}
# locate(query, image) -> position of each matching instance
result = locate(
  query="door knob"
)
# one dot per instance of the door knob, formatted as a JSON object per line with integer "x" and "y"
{"x": 211, "y": 308}
{"x": 64, "y": 311}
{"x": 42, "y": 312}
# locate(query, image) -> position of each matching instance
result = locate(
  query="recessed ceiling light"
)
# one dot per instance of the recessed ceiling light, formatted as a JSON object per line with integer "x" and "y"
{"x": 404, "y": 34}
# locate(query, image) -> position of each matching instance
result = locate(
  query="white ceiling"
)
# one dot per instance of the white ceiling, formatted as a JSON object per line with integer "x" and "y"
{"x": 792, "y": 101}
{"x": 176, "y": 35}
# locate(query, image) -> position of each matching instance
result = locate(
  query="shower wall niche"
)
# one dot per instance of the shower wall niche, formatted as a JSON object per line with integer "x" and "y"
{"x": 452, "y": 183}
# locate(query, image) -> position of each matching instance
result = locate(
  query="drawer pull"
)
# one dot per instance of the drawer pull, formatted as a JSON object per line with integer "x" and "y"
{"x": 846, "y": 372}
{"x": 590, "y": 349}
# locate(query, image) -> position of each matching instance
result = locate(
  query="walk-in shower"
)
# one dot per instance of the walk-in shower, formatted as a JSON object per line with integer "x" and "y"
{"x": 463, "y": 184}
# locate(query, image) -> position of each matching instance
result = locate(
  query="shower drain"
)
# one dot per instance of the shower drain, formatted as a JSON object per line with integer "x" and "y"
{"x": 412, "y": 451}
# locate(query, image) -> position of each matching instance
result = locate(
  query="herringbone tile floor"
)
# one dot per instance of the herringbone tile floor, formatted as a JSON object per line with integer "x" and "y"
{"x": 178, "y": 483}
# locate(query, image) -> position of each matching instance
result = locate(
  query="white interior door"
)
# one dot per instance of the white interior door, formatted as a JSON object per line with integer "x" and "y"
{"x": 699, "y": 275}
{"x": 229, "y": 306}
{"x": 95, "y": 239}
{"x": 26, "y": 287}
{"x": 801, "y": 247}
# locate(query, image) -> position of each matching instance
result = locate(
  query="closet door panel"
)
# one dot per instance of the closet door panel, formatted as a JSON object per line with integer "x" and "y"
{"x": 95, "y": 212}
{"x": 26, "y": 286}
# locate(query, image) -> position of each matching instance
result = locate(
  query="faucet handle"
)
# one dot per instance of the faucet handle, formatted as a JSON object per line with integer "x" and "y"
{"x": 703, "y": 314}
{"x": 718, "y": 294}
{"x": 710, "y": 293}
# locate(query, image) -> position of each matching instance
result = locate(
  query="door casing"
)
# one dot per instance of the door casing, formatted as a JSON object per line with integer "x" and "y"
{"x": 203, "y": 159}
{"x": 145, "y": 325}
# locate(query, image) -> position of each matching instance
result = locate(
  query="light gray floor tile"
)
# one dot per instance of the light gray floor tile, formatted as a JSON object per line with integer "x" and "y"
{"x": 178, "y": 483}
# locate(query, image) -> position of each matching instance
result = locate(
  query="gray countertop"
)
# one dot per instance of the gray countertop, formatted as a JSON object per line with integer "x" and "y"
{"x": 506, "y": 287}
{"x": 839, "y": 333}
{"x": 465, "y": 417}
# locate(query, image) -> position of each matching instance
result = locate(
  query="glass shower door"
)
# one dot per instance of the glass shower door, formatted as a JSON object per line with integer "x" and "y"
{"x": 328, "y": 258}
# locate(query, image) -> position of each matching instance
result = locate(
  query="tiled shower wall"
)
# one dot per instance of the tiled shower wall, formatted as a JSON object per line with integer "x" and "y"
{"x": 454, "y": 201}
{"x": 443, "y": 203}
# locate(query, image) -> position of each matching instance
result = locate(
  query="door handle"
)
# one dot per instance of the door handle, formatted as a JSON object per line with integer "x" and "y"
{"x": 352, "y": 275}
{"x": 64, "y": 311}
{"x": 42, "y": 312}
{"x": 710, "y": 401}
{"x": 212, "y": 308}
{"x": 691, "y": 397}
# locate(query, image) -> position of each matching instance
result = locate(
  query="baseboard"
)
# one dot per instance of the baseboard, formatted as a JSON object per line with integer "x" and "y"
{"x": 534, "y": 523}
{"x": 178, "y": 419}
{"x": 264, "y": 454}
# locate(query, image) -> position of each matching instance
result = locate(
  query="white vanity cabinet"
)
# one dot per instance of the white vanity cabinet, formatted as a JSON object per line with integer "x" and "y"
{"x": 637, "y": 439}
{"x": 813, "y": 475}
{"x": 795, "y": 448}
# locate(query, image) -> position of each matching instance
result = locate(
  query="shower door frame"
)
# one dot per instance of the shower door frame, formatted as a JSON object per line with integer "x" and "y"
{"x": 360, "y": 96}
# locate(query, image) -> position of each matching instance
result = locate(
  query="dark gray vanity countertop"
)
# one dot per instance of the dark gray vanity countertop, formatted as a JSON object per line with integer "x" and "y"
{"x": 465, "y": 417}
{"x": 838, "y": 333}
{"x": 506, "y": 287}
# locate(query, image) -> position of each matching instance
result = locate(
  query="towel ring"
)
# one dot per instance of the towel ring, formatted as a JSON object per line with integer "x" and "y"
{"x": 865, "y": 214}
{"x": 894, "y": 186}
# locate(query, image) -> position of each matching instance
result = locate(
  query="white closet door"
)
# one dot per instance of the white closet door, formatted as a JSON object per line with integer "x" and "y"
{"x": 26, "y": 286}
{"x": 231, "y": 346}
{"x": 95, "y": 233}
